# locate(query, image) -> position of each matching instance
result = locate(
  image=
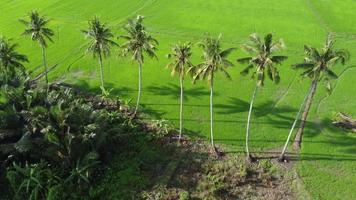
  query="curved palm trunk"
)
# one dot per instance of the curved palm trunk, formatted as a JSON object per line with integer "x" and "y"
{"x": 211, "y": 114}
{"x": 282, "y": 156}
{"x": 299, "y": 136}
{"x": 139, "y": 86}
{"x": 101, "y": 71}
{"x": 181, "y": 108}
{"x": 248, "y": 123}
{"x": 44, "y": 59}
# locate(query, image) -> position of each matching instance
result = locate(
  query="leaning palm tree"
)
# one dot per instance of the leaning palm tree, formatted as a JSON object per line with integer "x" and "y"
{"x": 181, "y": 55}
{"x": 100, "y": 43}
{"x": 214, "y": 60}
{"x": 37, "y": 29}
{"x": 282, "y": 157}
{"x": 317, "y": 66}
{"x": 10, "y": 59}
{"x": 138, "y": 43}
{"x": 264, "y": 62}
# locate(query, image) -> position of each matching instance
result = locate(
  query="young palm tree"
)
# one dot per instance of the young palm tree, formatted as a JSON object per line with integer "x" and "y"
{"x": 37, "y": 29}
{"x": 181, "y": 55}
{"x": 138, "y": 43}
{"x": 9, "y": 58}
{"x": 264, "y": 63}
{"x": 214, "y": 60}
{"x": 100, "y": 43}
{"x": 317, "y": 66}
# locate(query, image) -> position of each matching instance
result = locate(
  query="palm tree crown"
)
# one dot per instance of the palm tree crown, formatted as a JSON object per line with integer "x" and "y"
{"x": 215, "y": 59}
{"x": 9, "y": 58}
{"x": 263, "y": 58}
{"x": 138, "y": 41}
{"x": 181, "y": 55}
{"x": 317, "y": 64}
{"x": 100, "y": 38}
{"x": 36, "y": 27}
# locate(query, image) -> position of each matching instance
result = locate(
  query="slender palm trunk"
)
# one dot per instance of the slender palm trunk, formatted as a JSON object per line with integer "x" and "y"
{"x": 101, "y": 71}
{"x": 299, "y": 136}
{"x": 282, "y": 156}
{"x": 248, "y": 123}
{"x": 181, "y": 108}
{"x": 139, "y": 86}
{"x": 44, "y": 59}
{"x": 211, "y": 113}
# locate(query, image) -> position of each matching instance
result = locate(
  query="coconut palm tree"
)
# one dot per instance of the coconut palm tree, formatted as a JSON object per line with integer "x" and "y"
{"x": 138, "y": 42}
{"x": 181, "y": 55}
{"x": 100, "y": 37}
{"x": 37, "y": 29}
{"x": 10, "y": 59}
{"x": 214, "y": 60}
{"x": 263, "y": 62}
{"x": 317, "y": 66}
{"x": 282, "y": 157}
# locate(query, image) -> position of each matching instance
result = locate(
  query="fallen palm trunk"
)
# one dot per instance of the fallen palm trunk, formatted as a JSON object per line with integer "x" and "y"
{"x": 345, "y": 121}
{"x": 43, "y": 74}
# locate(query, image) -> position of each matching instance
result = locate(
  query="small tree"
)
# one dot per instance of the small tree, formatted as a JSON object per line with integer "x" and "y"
{"x": 214, "y": 60}
{"x": 264, "y": 63}
{"x": 138, "y": 43}
{"x": 10, "y": 59}
{"x": 100, "y": 43}
{"x": 181, "y": 55}
{"x": 317, "y": 66}
{"x": 37, "y": 29}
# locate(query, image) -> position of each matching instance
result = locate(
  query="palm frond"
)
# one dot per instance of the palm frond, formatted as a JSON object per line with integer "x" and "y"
{"x": 279, "y": 59}
{"x": 36, "y": 27}
{"x": 303, "y": 65}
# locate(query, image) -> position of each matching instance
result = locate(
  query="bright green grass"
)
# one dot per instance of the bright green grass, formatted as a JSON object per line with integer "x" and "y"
{"x": 328, "y": 162}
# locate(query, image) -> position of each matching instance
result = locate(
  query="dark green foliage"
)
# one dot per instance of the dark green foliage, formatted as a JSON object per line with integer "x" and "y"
{"x": 32, "y": 181}
{"x": 62, "y": 137}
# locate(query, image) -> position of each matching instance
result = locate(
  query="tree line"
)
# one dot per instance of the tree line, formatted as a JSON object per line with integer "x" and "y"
{"x": 138, "y": 43}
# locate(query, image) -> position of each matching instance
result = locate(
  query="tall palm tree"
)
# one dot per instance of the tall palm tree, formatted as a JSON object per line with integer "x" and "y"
{"x": 214, "y": 60}
{"x": 37, "y": 29}
{"x": 138, "y": 42}
{"x": 317, "y": 66}
{"x": 181, "y": 55}
{"x": 264, "y": 62}
{"x": 100, "y": 43}
{"x": 10, "y": 59}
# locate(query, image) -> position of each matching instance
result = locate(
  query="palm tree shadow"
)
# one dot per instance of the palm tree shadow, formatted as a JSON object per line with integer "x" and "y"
{"x": 237, "y": 105}
{"x": 156, "y": 114}
{"x": 173, "y": 91}
{"x": 122, "y": 92}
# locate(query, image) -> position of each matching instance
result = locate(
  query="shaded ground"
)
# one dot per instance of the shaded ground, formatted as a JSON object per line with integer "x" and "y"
{"x": 162, "y": 170}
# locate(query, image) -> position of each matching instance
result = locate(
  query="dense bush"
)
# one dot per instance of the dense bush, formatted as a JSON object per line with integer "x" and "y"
{"x": 61, "y": 141}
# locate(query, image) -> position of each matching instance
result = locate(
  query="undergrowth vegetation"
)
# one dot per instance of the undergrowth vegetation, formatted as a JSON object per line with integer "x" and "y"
{"x": 58, "y": 143}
